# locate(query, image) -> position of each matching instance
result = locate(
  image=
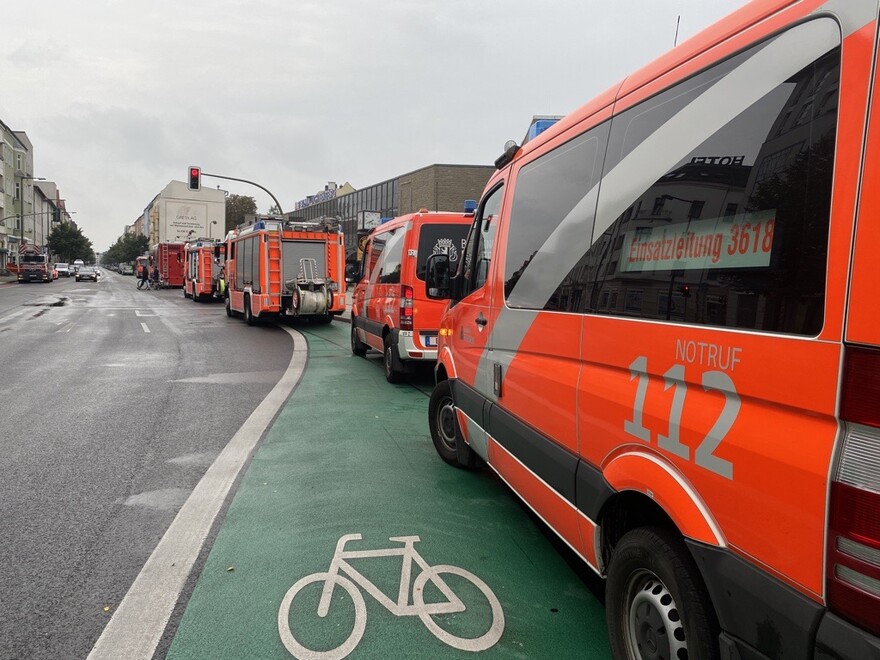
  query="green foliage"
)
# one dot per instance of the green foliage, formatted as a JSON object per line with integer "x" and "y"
{"x": 238, "y": 206}
{"x": 67, "y": 242}
{"x": 126, "y": 248}
{"x": 274, "y": 210}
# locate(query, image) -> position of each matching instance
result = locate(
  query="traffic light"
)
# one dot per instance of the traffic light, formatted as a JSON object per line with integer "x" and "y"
{"x": 195, "y": 178}
{"x": 685, "y": 290}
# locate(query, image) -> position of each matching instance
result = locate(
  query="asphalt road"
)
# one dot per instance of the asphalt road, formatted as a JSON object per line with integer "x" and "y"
{"x": 113, "y": 403}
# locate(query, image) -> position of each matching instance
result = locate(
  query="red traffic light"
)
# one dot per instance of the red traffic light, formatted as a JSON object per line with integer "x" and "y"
{"x": 195, "y": 178}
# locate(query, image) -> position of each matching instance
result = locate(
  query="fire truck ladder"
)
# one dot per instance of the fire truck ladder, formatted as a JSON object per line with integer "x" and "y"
{"x": 274, "y": 264}
{"x": 164, "y": 264}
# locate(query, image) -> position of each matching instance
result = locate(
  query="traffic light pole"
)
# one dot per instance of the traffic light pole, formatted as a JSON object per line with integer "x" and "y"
{"x": 232, "y": 178}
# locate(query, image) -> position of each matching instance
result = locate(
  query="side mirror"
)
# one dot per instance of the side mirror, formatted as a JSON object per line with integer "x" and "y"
{"x": 438, "y": 277}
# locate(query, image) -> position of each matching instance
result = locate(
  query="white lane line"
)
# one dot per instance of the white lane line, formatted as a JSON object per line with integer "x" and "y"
{"x": 137, "y": 312}
{"x": 136, "y": 628}
{"x": 144, "y": 326}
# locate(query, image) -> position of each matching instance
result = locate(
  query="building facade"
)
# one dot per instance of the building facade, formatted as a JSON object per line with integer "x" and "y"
{"x": 178, "y": 214}
{"x": 435, "y": 187}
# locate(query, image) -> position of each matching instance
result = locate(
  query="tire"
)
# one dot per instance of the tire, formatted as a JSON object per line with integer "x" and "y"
{"x": 322, "y": 319}
{"x": 140, "y": 284}
{"x": 389, "y": 362}
{"x": 185, "y": 291}
{"x": 248, "y": 313}
{"x": 654, "y": 587}
{"x": 481, "y": 643}
{"x": 228, "y": 307}
{"x": 357, "y": 346}
{"x": 445, "y": 432}
{"x": 296, "y": 649}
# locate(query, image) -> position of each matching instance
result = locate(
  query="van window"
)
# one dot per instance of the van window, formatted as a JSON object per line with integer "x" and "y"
{"x": 391, "y": 261}
{"x": 559, "y": 186}
{"x": 735, "y": 232}
{"x": 438, "y": 238}
{"x": 478, "y": 251}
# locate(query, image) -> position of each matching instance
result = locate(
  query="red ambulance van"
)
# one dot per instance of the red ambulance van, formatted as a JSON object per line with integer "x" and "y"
{"x": 389, "y": 309}
{"x": 665, "y": 337}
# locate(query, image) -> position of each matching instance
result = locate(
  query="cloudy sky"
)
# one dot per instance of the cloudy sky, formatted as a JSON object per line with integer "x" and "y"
{"x": 119, "y": 97}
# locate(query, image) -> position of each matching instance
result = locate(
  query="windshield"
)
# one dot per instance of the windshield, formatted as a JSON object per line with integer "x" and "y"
{"x": 33, "y": 259}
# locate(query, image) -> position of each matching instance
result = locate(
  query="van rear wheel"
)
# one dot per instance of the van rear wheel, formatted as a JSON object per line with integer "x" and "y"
{"x": 656, "y": 602}
{"x": 445, "y": 433}
{"x": 358, "y": 347}
{"x": 392, "y": 373}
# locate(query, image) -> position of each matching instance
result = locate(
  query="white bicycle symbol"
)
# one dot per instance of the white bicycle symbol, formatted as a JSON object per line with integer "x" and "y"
{"x": 402, "y": 607}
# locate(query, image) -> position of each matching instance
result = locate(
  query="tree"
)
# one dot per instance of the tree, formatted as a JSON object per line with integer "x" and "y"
{"x": 274, "y": 210}
{"x": 68, "y": 242}
{"x": 126, "y": 248}
{"x": 237, "y": 207}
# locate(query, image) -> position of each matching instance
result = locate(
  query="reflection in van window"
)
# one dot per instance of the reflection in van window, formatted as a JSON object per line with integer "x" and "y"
{"x": 448, "y": 239}
{"x": 736, "y": 233}
{"x": 391, "y": 261}
{"x": 714, "y": 205}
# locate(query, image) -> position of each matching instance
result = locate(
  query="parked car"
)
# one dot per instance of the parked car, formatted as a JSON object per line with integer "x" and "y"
{"x": 87, "y": 273}
{"x": 127, "y": 269}
{"x": 62, "y": 269}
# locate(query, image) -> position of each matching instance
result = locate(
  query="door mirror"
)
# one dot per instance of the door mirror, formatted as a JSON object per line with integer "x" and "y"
{"x": 438, "y": 278}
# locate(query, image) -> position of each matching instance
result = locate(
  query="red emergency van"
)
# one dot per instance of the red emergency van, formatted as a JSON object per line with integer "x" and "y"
{"x": 389, "y": 309}
{"x": 665, "y": 338}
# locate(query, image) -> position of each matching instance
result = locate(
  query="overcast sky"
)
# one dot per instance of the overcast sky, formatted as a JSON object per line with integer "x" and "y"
{"x": 119, "y": 97}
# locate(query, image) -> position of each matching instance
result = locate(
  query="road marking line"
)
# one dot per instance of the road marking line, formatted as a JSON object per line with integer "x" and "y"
{"x": 144, "y": 326}
{"x": 136, "y": 628}
{"x": 137, "y": 312}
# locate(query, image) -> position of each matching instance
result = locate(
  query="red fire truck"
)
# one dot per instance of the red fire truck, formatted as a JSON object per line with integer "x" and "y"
{"x": 34, "y": 266}
{"x": 204, "y": 262}
{"x": 169, "y": 258}
{"x": 285, "y": 268}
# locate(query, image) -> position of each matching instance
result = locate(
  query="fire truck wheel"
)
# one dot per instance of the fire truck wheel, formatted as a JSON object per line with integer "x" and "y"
{"x": 249, "y": 317}
{"x": 656, "y": 599}
{"x": 358, "y": 347}
{"x": 445, "y": 433}
{"x": 185, "y": 292}
{"x": 228, "y": 307}
{"x": 392, "y": 371}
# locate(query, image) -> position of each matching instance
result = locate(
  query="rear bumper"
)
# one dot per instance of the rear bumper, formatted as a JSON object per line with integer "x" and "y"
{"x": 407, "y": 349}
{"x": 839, "y": 640}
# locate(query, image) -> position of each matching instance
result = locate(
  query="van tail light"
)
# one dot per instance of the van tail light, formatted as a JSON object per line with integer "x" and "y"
{"x": 853, "y": 559}
{"x": 406, "y": 308}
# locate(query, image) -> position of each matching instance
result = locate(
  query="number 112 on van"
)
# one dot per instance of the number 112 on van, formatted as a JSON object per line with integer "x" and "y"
{"x": 674, "y": 378}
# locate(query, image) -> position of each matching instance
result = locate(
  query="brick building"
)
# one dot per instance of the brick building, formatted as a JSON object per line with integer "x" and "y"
{"x": 435, "y": 187}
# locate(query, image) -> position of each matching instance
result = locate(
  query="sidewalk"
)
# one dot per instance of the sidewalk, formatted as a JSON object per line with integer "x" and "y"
{"x": 351, "y": 454}
{"x": 12, "y": 278}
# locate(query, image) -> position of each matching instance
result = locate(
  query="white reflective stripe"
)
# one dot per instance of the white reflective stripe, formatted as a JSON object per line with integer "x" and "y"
{"x": 559, "y": 497}
{"x": 852, "y": 14}
{"x": 691, "y": 493}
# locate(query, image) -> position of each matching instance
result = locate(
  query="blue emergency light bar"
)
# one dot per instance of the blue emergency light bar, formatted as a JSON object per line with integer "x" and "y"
{"x": 470, "y": 206}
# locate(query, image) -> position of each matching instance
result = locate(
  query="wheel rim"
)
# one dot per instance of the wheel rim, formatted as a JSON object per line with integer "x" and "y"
{"x": 446, "y": 423}
{"x": 388, "y": 360}
{"x": 654, "y": 629}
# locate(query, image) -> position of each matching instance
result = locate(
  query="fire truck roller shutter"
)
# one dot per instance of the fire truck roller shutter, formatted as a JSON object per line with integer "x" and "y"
{"x": 292, "y": 252}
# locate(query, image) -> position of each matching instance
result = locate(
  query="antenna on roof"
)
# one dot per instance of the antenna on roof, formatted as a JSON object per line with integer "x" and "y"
{"x": 677, "y": 23}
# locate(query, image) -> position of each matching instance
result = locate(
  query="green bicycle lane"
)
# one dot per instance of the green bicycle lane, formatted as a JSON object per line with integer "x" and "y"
{"x": 351, "y": 454}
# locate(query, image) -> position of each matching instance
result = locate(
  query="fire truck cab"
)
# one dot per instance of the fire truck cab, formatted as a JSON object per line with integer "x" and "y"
{"x": 284, "y": 268}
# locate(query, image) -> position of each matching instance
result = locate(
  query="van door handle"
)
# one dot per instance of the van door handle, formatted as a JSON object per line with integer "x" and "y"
{"x": 481, "y": 320}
